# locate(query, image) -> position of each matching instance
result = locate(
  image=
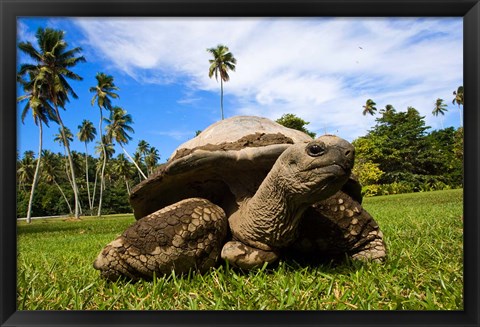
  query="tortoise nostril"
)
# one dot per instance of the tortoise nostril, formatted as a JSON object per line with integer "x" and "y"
{"x": 347, "y": 153}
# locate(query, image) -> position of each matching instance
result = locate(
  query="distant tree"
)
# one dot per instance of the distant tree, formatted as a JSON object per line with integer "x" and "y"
{"x": 223, "y": 61}
{"x": 104, "y": 91}
{"x": 139, "y": 161}
{"x": 295, "y": 122}
{"x": 369, "y": 107}
{"x": 197, "y": 132}
{"x": 26, "y": 170}
{"x": 118, "y": 128}
{"x": 401, "y": 148}
{"x": 458, "y": 99}
{"x": 440, "y": 108}
{"x": 122, "y": 166}
{"x": 86, "y": 134}
{"x": 50, "y": 173}
{"x": 142, "y": 149}
{"x": 152, "y": 159}
{"x": 458, "y": 143}
{"x": 387, "y": 110}
{"x": 64, "y": 138}
{"x": 105, "y": 150}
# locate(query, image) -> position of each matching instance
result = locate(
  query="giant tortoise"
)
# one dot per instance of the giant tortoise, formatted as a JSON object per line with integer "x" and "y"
{"x": 246, "y": 190}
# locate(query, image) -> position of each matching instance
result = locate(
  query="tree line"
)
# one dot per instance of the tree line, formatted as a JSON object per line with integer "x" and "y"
{"x": 54, "y": 194}
{"x": 399, "y": 155}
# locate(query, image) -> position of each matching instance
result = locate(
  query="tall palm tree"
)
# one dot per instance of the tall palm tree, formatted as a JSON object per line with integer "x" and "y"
{"x": 369, "y": 107}
{"x": 458, "y": 99}
{"x": 50, "y": 173}
{"x": 104, "y": 92}
{"x": 439, "y": 108}
{"x": 117, "y": 128}
{"x": 53, "y": 61}
{"x": 86, "y": 134}
{"x": 152, "y": 159}
{"x": 42, "y": 113}
{"x": 223, "y": 61}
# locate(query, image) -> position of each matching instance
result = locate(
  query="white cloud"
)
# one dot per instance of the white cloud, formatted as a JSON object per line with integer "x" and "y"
{"x": 322, "y": 69}
{"x": 178, "y": 135}
{"x": 24, "y": 34}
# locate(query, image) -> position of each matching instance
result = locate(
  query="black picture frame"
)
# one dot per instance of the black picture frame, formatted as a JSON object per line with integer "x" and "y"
{"x": 10, "y": 10}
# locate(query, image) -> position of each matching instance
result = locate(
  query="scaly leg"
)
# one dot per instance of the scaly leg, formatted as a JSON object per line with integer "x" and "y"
{"x": 183, "y": 236}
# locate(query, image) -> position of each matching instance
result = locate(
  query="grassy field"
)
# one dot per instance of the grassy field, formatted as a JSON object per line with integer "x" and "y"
{"x": 424, "y": 271}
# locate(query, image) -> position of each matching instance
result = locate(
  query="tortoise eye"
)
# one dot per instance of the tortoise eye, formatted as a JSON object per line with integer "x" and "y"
{"x": 315, "y": 150}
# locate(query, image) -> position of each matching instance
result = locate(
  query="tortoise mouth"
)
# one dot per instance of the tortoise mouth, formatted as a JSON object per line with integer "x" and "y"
{"x": 336, "y": 169}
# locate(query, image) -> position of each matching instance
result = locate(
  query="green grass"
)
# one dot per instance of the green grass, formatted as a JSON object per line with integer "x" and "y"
{"x": 424, "y": 270}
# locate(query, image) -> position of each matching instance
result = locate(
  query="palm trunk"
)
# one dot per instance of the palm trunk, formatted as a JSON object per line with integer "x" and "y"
{"x": 64, "y": 196}
{"x": 67, "y": 165}
{"x": 94, "y": 188}
{"x": 221, "y": 95}
{"x": 72, "y": 171}
{"x": 126, "y": 183}
{"x": 102, "y": 178}
{"x": 35, "y": 176}
{"x": 90, "y": 202}
{"x": 131, "y": 159}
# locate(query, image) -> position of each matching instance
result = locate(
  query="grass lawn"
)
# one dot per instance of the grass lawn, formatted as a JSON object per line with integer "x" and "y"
{"x": 424, "y": 270}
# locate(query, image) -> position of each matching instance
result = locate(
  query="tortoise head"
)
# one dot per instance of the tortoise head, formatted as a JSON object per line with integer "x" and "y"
{"x": 312, "y": 171}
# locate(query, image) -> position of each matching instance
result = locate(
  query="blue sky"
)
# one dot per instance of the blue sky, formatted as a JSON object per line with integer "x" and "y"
{"x": 321, "y": 69}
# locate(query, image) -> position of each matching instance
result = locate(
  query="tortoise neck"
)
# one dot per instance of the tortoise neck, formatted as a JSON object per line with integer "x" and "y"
{"x": 271, "y": 216}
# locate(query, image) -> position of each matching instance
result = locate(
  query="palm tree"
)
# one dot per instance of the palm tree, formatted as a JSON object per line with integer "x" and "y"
{"x": 459, "y": 100}
{"x": 42, "y": 113}
{"x": 64, "y": 140}
{"x": 152, "y": 159}
{"x": 86, "y": 134}
{"x": 142, "y": 149}
{"x": 52, "y": 69}
{"x": 223, "y": 61}
{"x": 25, "y": 169}
{"x": 117, "y": 128}
{"x": 103, "y": 147}
{"x": 137, "y": 157}
{"x": 439, "y": 108}
{"x": 387, "y": 110}
{"x": 50, "y": 172}
{"x": 104, "y": 92}
{"x": 369, "y": 107}
{"x": 122, "y": 166}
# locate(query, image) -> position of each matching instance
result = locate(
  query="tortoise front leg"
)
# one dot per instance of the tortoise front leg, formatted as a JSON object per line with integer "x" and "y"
{"x": 185, "y": 235}
{"x": 244, "y": 256}
{"x": 337, "y": 226}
